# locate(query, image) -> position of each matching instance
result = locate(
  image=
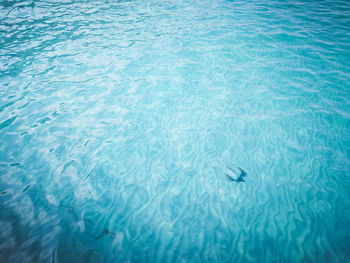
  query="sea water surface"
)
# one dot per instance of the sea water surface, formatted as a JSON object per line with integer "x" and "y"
{"x": 119, "y": 121}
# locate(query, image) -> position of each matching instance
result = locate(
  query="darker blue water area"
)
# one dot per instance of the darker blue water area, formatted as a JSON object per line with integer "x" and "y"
{"x": 174, "y": 131}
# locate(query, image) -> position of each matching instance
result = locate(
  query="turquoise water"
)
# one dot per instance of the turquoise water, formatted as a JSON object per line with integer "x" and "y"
{"x": 120, "y": 120}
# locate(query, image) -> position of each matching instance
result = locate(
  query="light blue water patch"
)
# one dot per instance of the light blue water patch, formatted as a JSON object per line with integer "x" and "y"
{"x": 123, "y": 125}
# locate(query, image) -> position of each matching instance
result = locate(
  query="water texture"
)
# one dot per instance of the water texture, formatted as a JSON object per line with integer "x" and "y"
{"x": 119, "y": 121}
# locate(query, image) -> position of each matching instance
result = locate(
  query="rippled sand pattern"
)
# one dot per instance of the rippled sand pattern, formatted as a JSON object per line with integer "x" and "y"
{"x": 118, "y": 120}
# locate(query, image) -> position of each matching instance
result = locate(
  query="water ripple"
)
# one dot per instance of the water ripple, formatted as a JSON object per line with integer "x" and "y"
{"x": 118, "y": 120}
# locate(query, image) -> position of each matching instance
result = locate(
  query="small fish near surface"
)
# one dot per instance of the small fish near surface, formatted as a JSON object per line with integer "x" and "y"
{"x": 235, "y": 175}
{"x": 105, "y": 232}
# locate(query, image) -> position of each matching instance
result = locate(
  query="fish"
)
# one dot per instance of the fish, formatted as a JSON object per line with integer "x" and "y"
{"x": 240, "y": 174}
{"x": 105, "y": 232}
